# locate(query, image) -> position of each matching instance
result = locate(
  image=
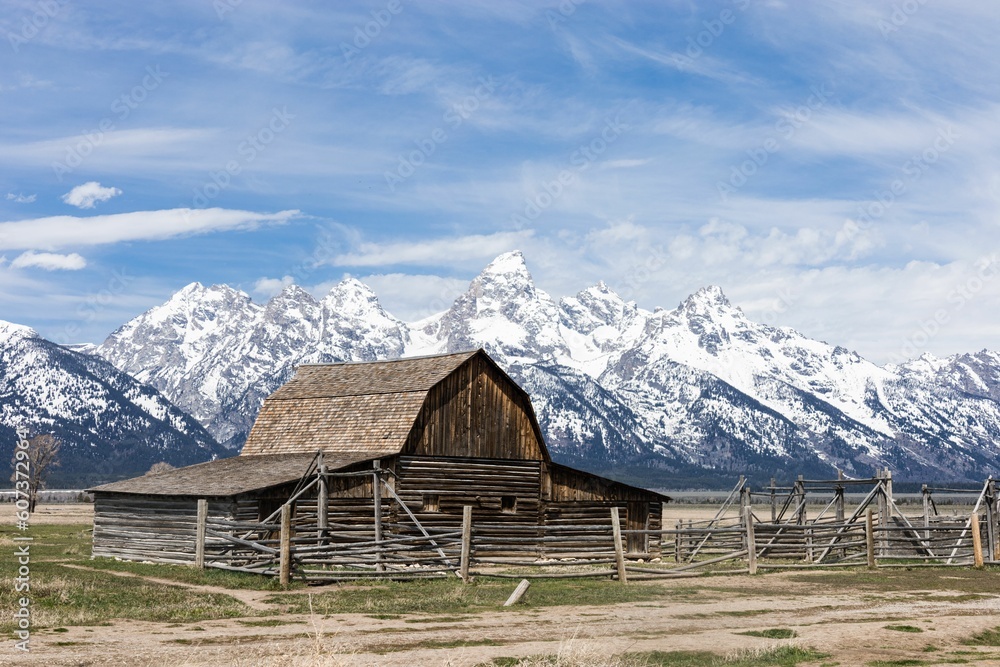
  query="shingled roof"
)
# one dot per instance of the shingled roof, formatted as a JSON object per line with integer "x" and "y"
{"x": 349, "y": 409}
{"x": 224, "y": 477}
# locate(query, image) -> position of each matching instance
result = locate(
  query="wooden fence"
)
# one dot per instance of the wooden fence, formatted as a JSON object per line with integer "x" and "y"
{"x": 876, "y": 534}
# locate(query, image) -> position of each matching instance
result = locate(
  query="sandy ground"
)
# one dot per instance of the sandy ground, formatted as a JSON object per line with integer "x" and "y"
{"x": 848, "y": 625}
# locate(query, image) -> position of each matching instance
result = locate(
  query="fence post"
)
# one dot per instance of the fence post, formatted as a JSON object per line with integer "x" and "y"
{"x": 977, "y": 540}
{"x": 466, "y": 542}
{"x": 285, "y": 552}
{"x": 925, "y": 494}
{"x": 774, "y": 502}
{"x": 996, "y": 524}
{"x": 616, "y": 529}
{"x": 884, "y": 510}
{"x": 199, "y": 540}
{"x": 322, "y": 502}
{"x": 800, "y": 496}
{"x": 751, "y": 541}
{"x": 679, "y": 525}
{"x": 377, "y": 498}
{"x": 991, "y": 520}
{"x": 870, "y": 537}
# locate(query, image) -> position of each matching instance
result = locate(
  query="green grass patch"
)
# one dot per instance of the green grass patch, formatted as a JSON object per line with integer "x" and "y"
{"x": 771, "y": 633}
{"x": 64, "y": 596}
{"x": 456, "y": 643}
{"x": 745, "y": 613}
{"x": 975, "y": 583}
{"x": 904, "y": 628}
{"x": 265, "y": 623}
{"x": 452, "y": 597}
{"x": 984, "y": 638}
{"x": 190, "y": 575}
{"x": 784, "y": 656}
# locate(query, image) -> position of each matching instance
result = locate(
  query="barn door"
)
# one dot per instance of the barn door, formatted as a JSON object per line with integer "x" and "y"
{"x": 637, "y": 519}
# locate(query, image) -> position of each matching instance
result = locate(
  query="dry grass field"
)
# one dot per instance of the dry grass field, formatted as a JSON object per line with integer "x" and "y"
{"x": 91, "y": 613}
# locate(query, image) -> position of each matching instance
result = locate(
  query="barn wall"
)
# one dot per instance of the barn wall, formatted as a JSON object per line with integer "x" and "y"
{"x": 480, "y": 483}
{"x": 476, "y": 412}
{"x": 577, "y": 498}
{"x": 567, "y": 484}
{"x": 158, "y": 528}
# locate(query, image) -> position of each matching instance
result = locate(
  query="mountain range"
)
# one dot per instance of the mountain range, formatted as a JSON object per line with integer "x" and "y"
{"x": 695, "y": 392}
{"x": 110, "y": 425}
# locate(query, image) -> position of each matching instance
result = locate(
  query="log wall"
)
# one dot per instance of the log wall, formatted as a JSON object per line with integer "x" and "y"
{"x": 154, "y": 528}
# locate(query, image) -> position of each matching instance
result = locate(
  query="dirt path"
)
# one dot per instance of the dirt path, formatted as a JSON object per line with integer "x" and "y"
{"x": 851, "y": 626}
{"x": 252, "y": 599}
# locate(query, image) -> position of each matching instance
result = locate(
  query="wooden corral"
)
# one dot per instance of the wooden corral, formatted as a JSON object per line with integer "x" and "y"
{"x": 387, "y": 453}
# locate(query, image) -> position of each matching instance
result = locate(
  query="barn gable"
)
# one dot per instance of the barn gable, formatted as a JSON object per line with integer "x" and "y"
{"x": 448, "y": 405}
{"x": 477, "y": 411}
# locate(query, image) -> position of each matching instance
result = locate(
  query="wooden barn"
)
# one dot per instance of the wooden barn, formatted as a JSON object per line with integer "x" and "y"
{"x": 410, "y": 440}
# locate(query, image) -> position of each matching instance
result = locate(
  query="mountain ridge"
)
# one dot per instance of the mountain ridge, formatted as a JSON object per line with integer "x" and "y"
{"x": 697, "y": 387}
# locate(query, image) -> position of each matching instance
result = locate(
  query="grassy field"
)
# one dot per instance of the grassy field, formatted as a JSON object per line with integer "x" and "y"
{"x": 73, "y": 594}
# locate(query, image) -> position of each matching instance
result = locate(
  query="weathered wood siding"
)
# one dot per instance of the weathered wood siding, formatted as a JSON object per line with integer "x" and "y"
{"x": 155, "y": 528}
{"x": 587, "y": 515}
{"x": 480, "y": 483}
{"x": 476, "y": 411}
{"x": 567, "y": 484}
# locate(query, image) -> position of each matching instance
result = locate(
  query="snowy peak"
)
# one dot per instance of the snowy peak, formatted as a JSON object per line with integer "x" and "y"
{"x": 10, "y": 332}
{"x": 595, "y": 307}
{"x": 510, "y": 264}
{"x": 352, "y": 298}
{"x": 503, "y": 312}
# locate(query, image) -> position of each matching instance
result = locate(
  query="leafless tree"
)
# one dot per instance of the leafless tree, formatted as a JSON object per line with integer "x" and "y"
{"x": 160, "y": 466}
{"x": 43, "y": 455}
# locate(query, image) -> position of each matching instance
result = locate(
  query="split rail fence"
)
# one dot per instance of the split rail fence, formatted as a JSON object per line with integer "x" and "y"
{"x": 751, "y": 531}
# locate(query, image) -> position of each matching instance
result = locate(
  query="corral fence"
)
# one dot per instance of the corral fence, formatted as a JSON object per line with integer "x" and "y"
{"x": 751, "y": 531}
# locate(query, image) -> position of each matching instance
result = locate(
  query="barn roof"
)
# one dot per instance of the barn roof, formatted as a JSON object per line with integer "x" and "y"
{"x": 226, "y": 477}
{"x": 349, "y": 408}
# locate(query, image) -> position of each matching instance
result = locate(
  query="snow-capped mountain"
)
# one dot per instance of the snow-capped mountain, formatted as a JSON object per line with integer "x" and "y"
{"x": 110, "y": 425}
{"x": 697, "y": 387}
{"x": 217, "y": 354}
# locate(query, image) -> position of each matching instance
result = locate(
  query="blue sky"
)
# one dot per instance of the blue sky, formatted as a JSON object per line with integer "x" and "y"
{"x": 833, "y": 166}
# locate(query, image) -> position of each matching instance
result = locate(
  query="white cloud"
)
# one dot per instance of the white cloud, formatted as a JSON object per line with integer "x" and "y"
{"x": 65, "y": 230}
{"x": 268, "y": 287}
{"x": 464, "y": 249}
{"x": 88, "y": 194}
{"x": 49, "y": 261}
{"x": 414, "y": 297}
{"x": 21, "y": 199}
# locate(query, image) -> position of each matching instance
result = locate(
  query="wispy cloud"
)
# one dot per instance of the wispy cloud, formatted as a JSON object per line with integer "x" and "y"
{"x": 21, "y": 199}
{"x": 67, "y": 231}
{"x": 49, "y": 261}
{"x": 462, "y": 249}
